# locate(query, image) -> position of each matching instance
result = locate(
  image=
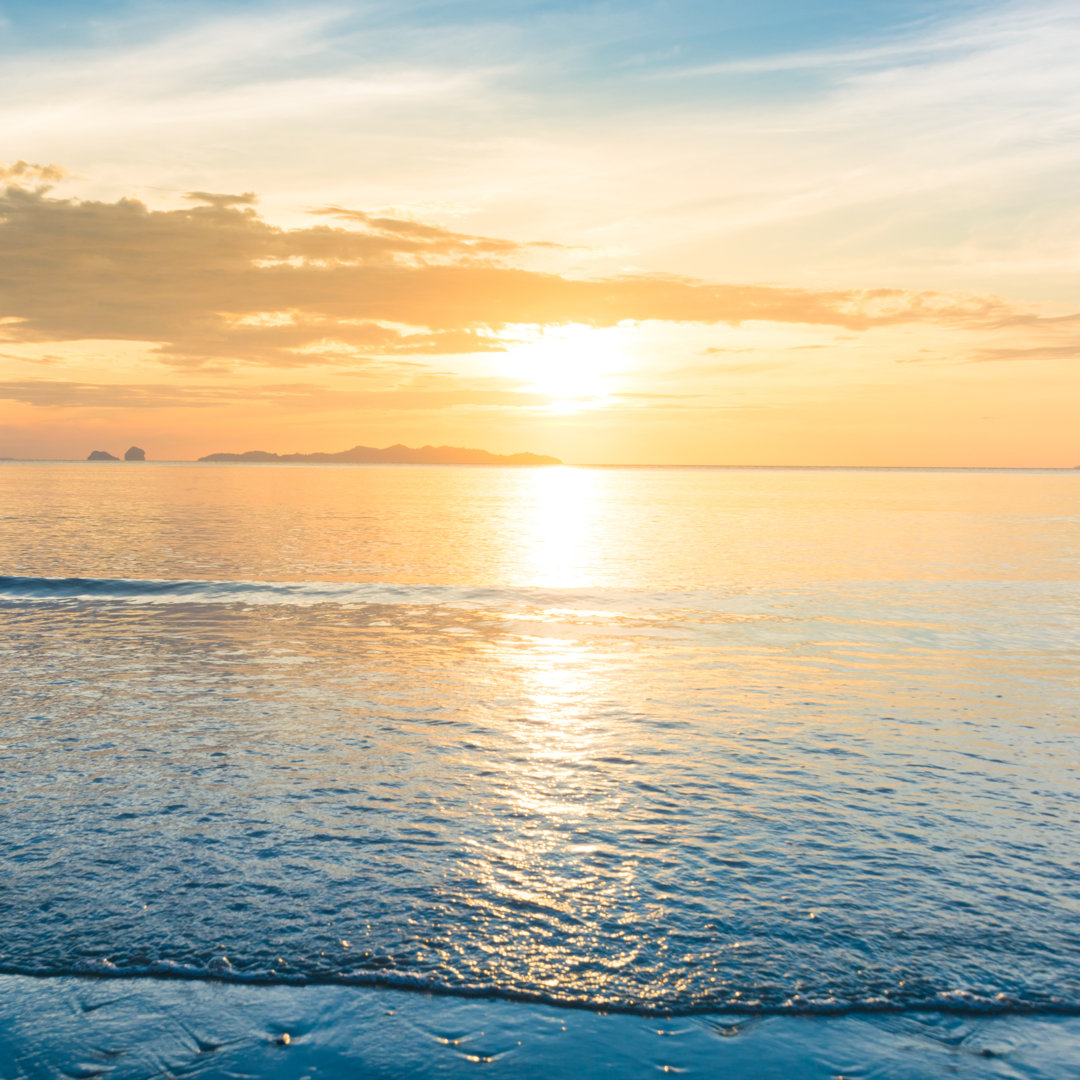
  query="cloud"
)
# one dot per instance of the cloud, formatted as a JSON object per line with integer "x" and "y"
{"x": 831, "y": 60}
{"x": 221, "y": 201}
{"x": 969, "y": 113}
{"x": 62, "y": 394}
{"x": 215, "y": 281}
{"x": 24, "y": 171}
{"x": 713, "y": 371}
{"x": 1030, "y": 352}
{"x": 199, "y": 77}
{"x": 418, "y": 395}
{"x": 427, "y": 234}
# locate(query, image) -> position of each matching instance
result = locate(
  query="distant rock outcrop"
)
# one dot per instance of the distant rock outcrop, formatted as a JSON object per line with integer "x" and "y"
{"x": 101, "y": 455}
{"x": 134, "y": 453}
{"x": 394, "y": 455}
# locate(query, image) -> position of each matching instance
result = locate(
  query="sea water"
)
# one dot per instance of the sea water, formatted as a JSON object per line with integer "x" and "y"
{"x": 656, "y": 740}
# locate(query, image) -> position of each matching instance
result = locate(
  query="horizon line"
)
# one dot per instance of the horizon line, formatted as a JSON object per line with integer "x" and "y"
{"x": 561, "y": 465}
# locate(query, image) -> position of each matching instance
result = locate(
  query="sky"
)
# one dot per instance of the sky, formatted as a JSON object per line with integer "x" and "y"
{"x": 675, "y": 232}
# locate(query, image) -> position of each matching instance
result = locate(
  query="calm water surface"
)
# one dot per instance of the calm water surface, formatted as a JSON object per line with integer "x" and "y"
{"x": 637, "y": 738}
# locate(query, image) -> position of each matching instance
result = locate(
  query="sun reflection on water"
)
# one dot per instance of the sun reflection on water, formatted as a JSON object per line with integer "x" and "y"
{"x": 552, "y": 854}
{"x": 556, "y": 729}
{"x": 560, "y": 520}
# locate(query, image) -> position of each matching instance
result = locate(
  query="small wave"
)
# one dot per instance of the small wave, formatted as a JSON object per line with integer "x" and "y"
{"x": 162, "y": 590}
{"x": 597, "y": 602}
{"x": 954, "y": 1002}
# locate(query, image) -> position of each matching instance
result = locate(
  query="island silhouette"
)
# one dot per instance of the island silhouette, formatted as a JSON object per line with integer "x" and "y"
{"x": 132, "y": 453}
{"x": 393, "y": 455}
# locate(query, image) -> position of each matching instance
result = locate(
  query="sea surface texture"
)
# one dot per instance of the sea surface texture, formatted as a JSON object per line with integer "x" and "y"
{"x": 645, "y": 739}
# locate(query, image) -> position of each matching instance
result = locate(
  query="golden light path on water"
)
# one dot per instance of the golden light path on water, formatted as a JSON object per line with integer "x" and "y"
{"x": 554, "y": 779}
{"x": 561, "y": 513}
{"x": 641, "y": 738}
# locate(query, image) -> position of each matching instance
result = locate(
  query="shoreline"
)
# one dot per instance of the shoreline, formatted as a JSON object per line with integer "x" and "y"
{"x": 84, "y": 1026}
{"x": 958, "y": 1003}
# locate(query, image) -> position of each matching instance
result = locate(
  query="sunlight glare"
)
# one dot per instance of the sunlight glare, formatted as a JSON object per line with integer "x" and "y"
{"x": 576, "y": 364}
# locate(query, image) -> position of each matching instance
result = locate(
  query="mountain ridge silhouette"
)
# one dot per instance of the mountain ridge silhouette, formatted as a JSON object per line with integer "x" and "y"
{"x": 398, "y": 454}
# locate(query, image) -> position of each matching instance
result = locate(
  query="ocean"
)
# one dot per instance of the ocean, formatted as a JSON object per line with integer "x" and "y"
{"x": 656, "y": 742}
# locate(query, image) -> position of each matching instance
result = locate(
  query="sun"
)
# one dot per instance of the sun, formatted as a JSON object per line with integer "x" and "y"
{"x": 576, "y": 365}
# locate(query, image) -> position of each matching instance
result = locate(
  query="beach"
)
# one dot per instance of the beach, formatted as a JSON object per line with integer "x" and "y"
{"x": 67, "y": 1027}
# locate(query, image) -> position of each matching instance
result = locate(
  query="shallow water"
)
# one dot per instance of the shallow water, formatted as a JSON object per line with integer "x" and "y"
{"x": 642, "y": 739}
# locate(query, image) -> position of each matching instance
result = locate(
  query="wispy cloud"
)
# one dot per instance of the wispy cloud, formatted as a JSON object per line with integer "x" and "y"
{"x": 915, "y": 48}
{"x": 69, "y": 394}
{"x": 216, "y": 74}
{"x": 949, "y": 152}
{"x": 1030, "y": 352}
{"x": 882, "y": 157}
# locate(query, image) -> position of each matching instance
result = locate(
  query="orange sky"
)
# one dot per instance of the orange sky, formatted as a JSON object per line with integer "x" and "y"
{"x": 856, "y": 247}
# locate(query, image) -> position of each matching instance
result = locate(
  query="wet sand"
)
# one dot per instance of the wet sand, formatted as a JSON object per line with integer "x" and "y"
{"x": 126, "y": 1028}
